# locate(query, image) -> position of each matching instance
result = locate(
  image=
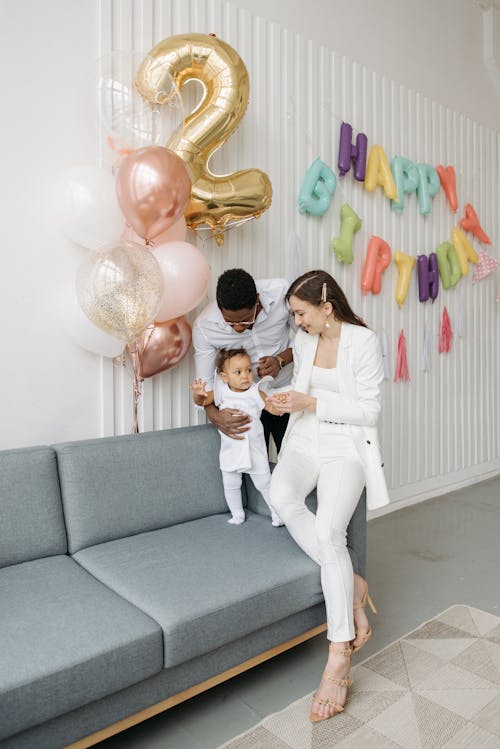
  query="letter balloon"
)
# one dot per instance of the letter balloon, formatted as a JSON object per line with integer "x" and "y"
{"x": 317, "y": 188}
{"x": 428, "y": 186}
{"x": 406, "y": 178}
{"x": 448, "y": 183}
{"x": 428, "y": 277}
{"x": 449, "y": 268}
{"x": 465, "y": 251}
{"x": 215, "y": 200}
{"x": 349, "y": 152}
{"x": 470, "y": 223}
{"x": 350, "y": 223}
{"x": 378, "y": 172}
{"x": 405, "y": 264}
{"x": 378, "y": 258}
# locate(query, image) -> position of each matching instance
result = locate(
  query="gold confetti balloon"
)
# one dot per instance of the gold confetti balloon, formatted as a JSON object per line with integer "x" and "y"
{"x": 120, "y": 289}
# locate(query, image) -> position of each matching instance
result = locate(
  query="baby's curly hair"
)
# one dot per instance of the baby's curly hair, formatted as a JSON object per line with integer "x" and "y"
{"x": 227, "y": 353}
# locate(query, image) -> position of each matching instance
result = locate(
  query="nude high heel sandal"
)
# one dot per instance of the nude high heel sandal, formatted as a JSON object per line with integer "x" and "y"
{"x": 364, "y": 635}
{"x": 345, "y": 682}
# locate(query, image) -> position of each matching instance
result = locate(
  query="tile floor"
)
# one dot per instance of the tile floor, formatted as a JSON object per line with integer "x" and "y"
{"x": 421, "y": 560}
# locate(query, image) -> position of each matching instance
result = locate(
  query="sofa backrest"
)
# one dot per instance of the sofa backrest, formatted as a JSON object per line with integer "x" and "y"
{"x": 114, "y": 487}
{"x": 31, "y": 517}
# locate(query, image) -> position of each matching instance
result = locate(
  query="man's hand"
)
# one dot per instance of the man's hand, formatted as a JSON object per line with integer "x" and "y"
{"x": 268, "y": 365}
{"x": 230, "y": 421}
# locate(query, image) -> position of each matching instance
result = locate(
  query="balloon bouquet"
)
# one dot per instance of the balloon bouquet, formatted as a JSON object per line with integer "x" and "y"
{"x": 139, "y": 282}
{"x": 134, "y": 288}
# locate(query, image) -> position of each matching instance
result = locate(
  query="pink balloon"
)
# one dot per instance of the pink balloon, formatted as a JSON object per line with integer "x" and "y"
{"x": 176, "y": 233}
{"x": 186, "y": 273}
{"x": 153, "y": 188}
{"x": 160, "y": 347}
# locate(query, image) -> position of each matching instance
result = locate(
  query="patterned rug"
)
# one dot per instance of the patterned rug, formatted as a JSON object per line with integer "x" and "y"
{"x": 436, "y": 687}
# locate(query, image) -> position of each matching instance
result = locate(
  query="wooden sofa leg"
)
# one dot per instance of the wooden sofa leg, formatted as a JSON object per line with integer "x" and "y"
{"x": 176, "y": 699}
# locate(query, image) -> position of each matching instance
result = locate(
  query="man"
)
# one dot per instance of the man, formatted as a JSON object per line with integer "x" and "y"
{"x": 255, "y": 316}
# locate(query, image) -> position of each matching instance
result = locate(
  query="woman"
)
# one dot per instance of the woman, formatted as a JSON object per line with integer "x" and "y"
{"x": 331, "y": 441}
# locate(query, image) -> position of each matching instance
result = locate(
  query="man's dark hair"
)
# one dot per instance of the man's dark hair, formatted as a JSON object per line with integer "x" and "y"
{"x": 236, "y": 290}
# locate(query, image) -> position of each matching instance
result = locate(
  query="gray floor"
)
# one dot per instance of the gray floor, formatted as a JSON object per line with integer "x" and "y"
{"x": 421, "y": 560}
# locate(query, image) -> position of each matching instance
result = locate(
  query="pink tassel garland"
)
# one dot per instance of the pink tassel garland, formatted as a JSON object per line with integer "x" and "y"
{"x": 402, "y": 371}
{"x": 445, "y": 333}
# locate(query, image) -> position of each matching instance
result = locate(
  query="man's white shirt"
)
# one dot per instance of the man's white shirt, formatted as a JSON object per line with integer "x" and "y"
{"x": 272, "y": 333}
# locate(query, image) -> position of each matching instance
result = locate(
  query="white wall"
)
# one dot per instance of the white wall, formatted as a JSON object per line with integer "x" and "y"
{"x": 52, "y": 390}
{"x": 431, "y": 46}
{"x": 49, "y": 386}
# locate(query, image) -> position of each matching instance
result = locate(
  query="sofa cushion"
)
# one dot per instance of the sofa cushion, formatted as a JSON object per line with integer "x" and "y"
{"x": 118, "y": 486}
{"x": 31, "y": 519}
{"x": 356, "y": 530}
{"x": 66, "y": 640}
{"x": 206, "y": 582}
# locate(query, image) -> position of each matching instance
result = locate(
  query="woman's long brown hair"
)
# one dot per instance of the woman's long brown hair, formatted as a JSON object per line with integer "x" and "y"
{"x": 317, "y": 287}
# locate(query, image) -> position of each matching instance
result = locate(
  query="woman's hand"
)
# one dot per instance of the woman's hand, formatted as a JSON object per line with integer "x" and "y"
{"x": 292, "y": 401}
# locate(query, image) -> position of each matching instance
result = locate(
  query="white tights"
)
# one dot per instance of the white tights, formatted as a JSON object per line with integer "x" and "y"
{"x": 232, "y": 492}
{"x": 339, "y": 481}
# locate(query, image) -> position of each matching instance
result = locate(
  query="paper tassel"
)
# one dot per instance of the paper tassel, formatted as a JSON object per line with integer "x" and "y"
{"x": 426, "y": 350}
{"x": 402, "y": 371}
{"x": 459, "y": 314}
{"x": 445, "y": 333}
{"x": 385, "y": 354}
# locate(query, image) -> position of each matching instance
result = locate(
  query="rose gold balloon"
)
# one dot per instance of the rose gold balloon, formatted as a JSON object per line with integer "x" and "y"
{"x": 161, "y": 346}
{"x": 153, "y": 188}
{"x": 175, "y": 233}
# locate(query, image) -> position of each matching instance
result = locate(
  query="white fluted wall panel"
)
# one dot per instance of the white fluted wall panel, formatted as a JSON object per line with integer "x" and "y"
{"x": 441, "y": 429}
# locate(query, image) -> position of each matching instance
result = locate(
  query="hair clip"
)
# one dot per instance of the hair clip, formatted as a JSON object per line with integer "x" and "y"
{"x": 323, "y": 293}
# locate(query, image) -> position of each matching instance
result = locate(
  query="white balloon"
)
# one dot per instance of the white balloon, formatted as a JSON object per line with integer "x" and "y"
{"x": 84, "y": 333}
{"x": 129, "y": 121}
{"x": 88, "y": 207}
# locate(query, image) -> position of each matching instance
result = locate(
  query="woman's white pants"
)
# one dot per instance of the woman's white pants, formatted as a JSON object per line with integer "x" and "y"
{"x": 336, "y": 471}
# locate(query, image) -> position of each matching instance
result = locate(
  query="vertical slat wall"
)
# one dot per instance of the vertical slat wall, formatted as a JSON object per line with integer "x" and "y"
{"x": 441, "y": 429}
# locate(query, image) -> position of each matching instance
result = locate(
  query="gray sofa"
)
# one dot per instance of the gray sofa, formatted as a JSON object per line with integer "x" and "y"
{"x": 123, "y": 590}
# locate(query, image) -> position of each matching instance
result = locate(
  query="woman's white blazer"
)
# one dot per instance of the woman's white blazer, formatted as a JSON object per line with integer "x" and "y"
{"x": 360, "y": 372}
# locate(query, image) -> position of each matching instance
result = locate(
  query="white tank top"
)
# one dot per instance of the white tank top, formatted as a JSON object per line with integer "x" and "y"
{"x": 322, "y": 437}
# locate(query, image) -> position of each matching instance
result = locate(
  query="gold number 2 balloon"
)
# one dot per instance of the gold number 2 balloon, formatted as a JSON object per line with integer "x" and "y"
{"x": 215, "y": 200}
